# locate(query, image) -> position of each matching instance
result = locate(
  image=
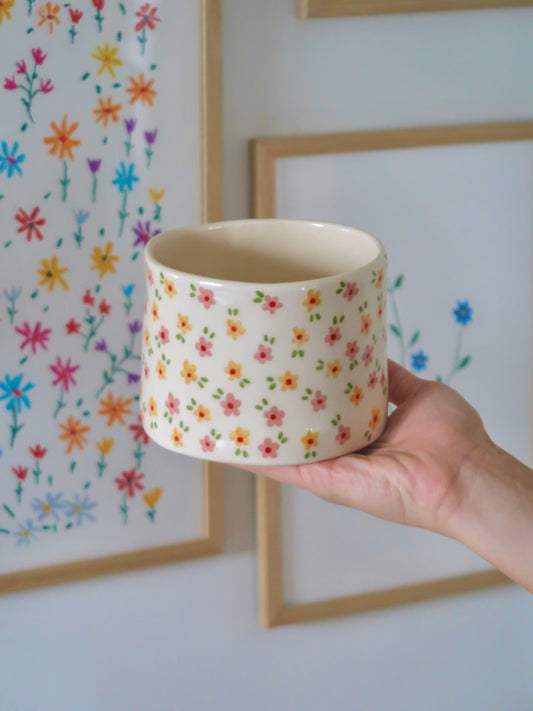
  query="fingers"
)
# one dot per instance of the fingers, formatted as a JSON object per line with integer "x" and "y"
{"x": 402, "y": 383}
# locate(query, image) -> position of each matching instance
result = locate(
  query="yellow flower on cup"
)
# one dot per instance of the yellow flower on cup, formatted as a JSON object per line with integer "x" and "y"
{"x": 233, "y": 370}
{"x": 240, "y": 437}
{"x": 357, "y": 395}
{"x": 366, "y": 322}
{"x": 334, "y": 369}
{"x": 310, "y": 439}
{"x": 177, "y": 437}
{"x": 379, "y": 279}
{"x": 161, "y": 370}
{"x": 103, "y": 260}
{"x": 170, "y": 289}
{"x": 289, "y": 381}
{"x": 155, "y": 310}
{"x": 300, "y": 335}
{"x": 235, "y": 328}
{"x": 189, "y": 372}
{"x": 183, "y": 323}
{"x": 202, "y": 414}
{"x": 152, "y": 407}
{"x": 146, "y": 337}
{"x": 313, "y": 300}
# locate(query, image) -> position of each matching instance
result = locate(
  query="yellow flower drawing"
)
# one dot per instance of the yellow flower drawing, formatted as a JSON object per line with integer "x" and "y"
{"x": 155, "y": 194}
{"x": 108, "y": 57}
{"x": 152, "y": 496}
{"x": 105, "y": 445}
{"x": 366, "y": 322}
{"x": 51, "y": 273}
{"x": 103, "y": 260}
{"x": 155, "y": 310}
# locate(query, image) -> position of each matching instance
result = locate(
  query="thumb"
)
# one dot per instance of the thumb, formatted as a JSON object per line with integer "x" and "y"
{"x": 402, "y": 383}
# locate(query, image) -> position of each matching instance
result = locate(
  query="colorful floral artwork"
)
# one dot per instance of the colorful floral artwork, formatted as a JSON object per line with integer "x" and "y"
{"x": 89, "y": 151}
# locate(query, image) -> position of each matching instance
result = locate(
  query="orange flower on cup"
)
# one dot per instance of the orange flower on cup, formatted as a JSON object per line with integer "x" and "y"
{"x": 366, "y": 322}
{"x": 310, "y": 439}
{"x": 161, "y": 370}
{"x": 334, "y": 369}
{"x": 202, "y": 414}
{"x": 152, "y": 407}
{"x": 357, "y": 395}
{"x": 289, "y": 381}
{"x": 183, "y": 323}
{"x": 240, "y": 436}
{"x": 300, "y": 336}
{"x": 177, "y": 437}
{"x": 189, "y": 372}
{"x": 233, "y": 370}
{"x": 155, "y": 311}
{"x": 374, "y": 420}
{"x": 313, "y": 300}
{"x": 170, "y": 289}
{"x": 235, "y": 329}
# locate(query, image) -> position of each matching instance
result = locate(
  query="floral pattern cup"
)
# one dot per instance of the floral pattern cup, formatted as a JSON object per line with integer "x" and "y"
{"x": 264, "y": 341}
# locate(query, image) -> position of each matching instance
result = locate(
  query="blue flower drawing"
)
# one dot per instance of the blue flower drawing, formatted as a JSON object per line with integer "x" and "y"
{"x": 49, "y": 506}
{"x": 80, "y": 509}
{"x": 14, "y": 393}
{"x": 419, "y": 361}
{"x": 463, "y": 313}
{"x": 26, "y": 533}
{"x": 9, "y": 160}
{"x": 125, "y": 177}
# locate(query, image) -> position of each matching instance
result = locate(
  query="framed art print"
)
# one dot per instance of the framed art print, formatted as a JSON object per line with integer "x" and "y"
{"x": 110, "y": 113}
{"x": 351, "y": 8}
{"x": 452, "y": 206}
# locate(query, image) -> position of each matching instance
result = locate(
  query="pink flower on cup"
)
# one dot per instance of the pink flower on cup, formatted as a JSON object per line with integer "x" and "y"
{"x": 274, "y": 417}
{"x": 352, "y": 349}
{"x": 206, "y": 297}
{"x": 269, "y": 448}
{"x": 382, "y": 379}
{"x": 333, "y": 336}
{"x": 319, "y": 401}
{"x": 150, "y": 277}
{"x": 351, "y": 289}
{"x": 207, "y": 444}
{"x": 263, "y": 353}
{"x": 203, "y": 346}
{"x": 231, "y": 405}
{"x": 271, "y": 304}
{"x": 146, "y": 371}
{"x": 343, "y": 434}
{"x": 172, "y": 404}
{"x": 372, "y": 379}
{"x": 163, "y": 335}
{"x": 368, "y": 355}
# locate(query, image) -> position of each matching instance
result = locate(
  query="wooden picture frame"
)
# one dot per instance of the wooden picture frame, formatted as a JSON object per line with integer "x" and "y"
{"x": 212, "y": 538}
{"x": 352, "y": 8}
{"x": 265, "y": 152}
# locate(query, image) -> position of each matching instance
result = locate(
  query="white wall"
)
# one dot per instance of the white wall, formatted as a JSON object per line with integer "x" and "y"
{"x": 185, "y": 637}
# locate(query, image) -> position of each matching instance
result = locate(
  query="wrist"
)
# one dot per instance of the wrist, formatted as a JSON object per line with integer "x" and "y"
{"x": 495, "y": 518}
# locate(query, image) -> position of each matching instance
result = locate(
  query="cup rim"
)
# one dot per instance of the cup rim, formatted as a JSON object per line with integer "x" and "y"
{"x": 152, "y": 262}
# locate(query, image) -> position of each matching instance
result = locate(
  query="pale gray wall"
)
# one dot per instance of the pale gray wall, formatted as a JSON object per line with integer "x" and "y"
{"x": 185, "y": 637}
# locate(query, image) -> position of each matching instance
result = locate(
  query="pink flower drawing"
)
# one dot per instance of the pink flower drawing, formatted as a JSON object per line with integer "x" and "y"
{"x": 172, "y": 404}
{"x": 206, "y": 297}
{"x": 319, "y": 401}
{"x": 368, "y": 354}
{"x": 352, "y": 349}
{"x": 203, "y": 346}
{"x": 269, "y": 448}
{"x": 274, "y": 417}
{"x": 34, "y": 336}
{"x": 271, "y": 304}
{"x": 64, "y": 373}
{"x": 231, "y": 405}
{"x": 350, "y": 290}
{"x": 343, "y": 434}
{"x": 263, "y": 353}
{"x": 207, "y": 444}
{"x": 333, "y": 336}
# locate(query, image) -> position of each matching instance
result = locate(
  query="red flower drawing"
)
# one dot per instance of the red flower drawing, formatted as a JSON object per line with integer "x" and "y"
{"x": 139, "y": 433}
{"x": 75, "y": 15}
{"x": 72, "y": 326}
{"x": 148, "y": 17}
{"x": 20, "y": 472}
{"x": 30, "y": 223}
{"x": 38, "y": 452}
{"x": 131, "y": 481}
{"x": 88, "y": 298}
{"x": 104, "y": 308}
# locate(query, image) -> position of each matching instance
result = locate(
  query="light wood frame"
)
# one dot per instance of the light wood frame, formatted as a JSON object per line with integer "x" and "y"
{"x": 353, "y": 8}
{"x": 212, "y": 540}
{"x": 264, "y": 153}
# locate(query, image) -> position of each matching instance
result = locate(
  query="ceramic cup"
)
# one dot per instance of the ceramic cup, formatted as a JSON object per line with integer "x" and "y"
{"x": 264, "y": 341}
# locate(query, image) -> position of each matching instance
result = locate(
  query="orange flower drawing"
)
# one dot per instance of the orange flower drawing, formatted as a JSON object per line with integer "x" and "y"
{"x": 5, "y": 7}
{"x": 289, "y": 381}
{"x": 374, "y": 420}
{"x": 107, "y": 111}
{"x": 115, "y": 409}
{"x": 366, "y": 322}
{"x": 62, "y": 142}
{"x": 74, "y": 433}
{"x": 142, "y": 90}
{"x": 310, "y": 439}
{"x": 357, "y": 395}
{"x": 313, "y": 299}
{"x": 49, "y": 14}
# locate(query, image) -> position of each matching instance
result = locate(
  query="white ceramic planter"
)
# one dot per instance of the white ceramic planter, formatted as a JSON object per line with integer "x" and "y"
{"x": 264, "y": 341}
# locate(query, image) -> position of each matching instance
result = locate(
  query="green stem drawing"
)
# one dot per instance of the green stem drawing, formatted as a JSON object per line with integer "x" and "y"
{"x": 142, "y": 40}
{"x": 72, "y": 33}
{"x": 128, "y": 145}
{"x": 99, "y": 19}
{"x": 122, "y": 213}
{"x": 138, "y": 454}
{"x": 37, "y": 471}
{"x": 94, "y": 189}
{"x": 15, "y": 427}
{"x": 60, "y": 402}
{"x": 116, "y": 365}
{"x": 64, "y": 181}
{"x": 151, "y": 514}
{"x": 157, "y": 212}
{"x": 101, "y": 465}
{"x": 124, "y": 507}
{"x": 18, "y": 492}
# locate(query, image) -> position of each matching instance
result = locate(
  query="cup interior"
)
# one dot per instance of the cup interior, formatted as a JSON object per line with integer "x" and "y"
{"x": 264, "y": 251}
